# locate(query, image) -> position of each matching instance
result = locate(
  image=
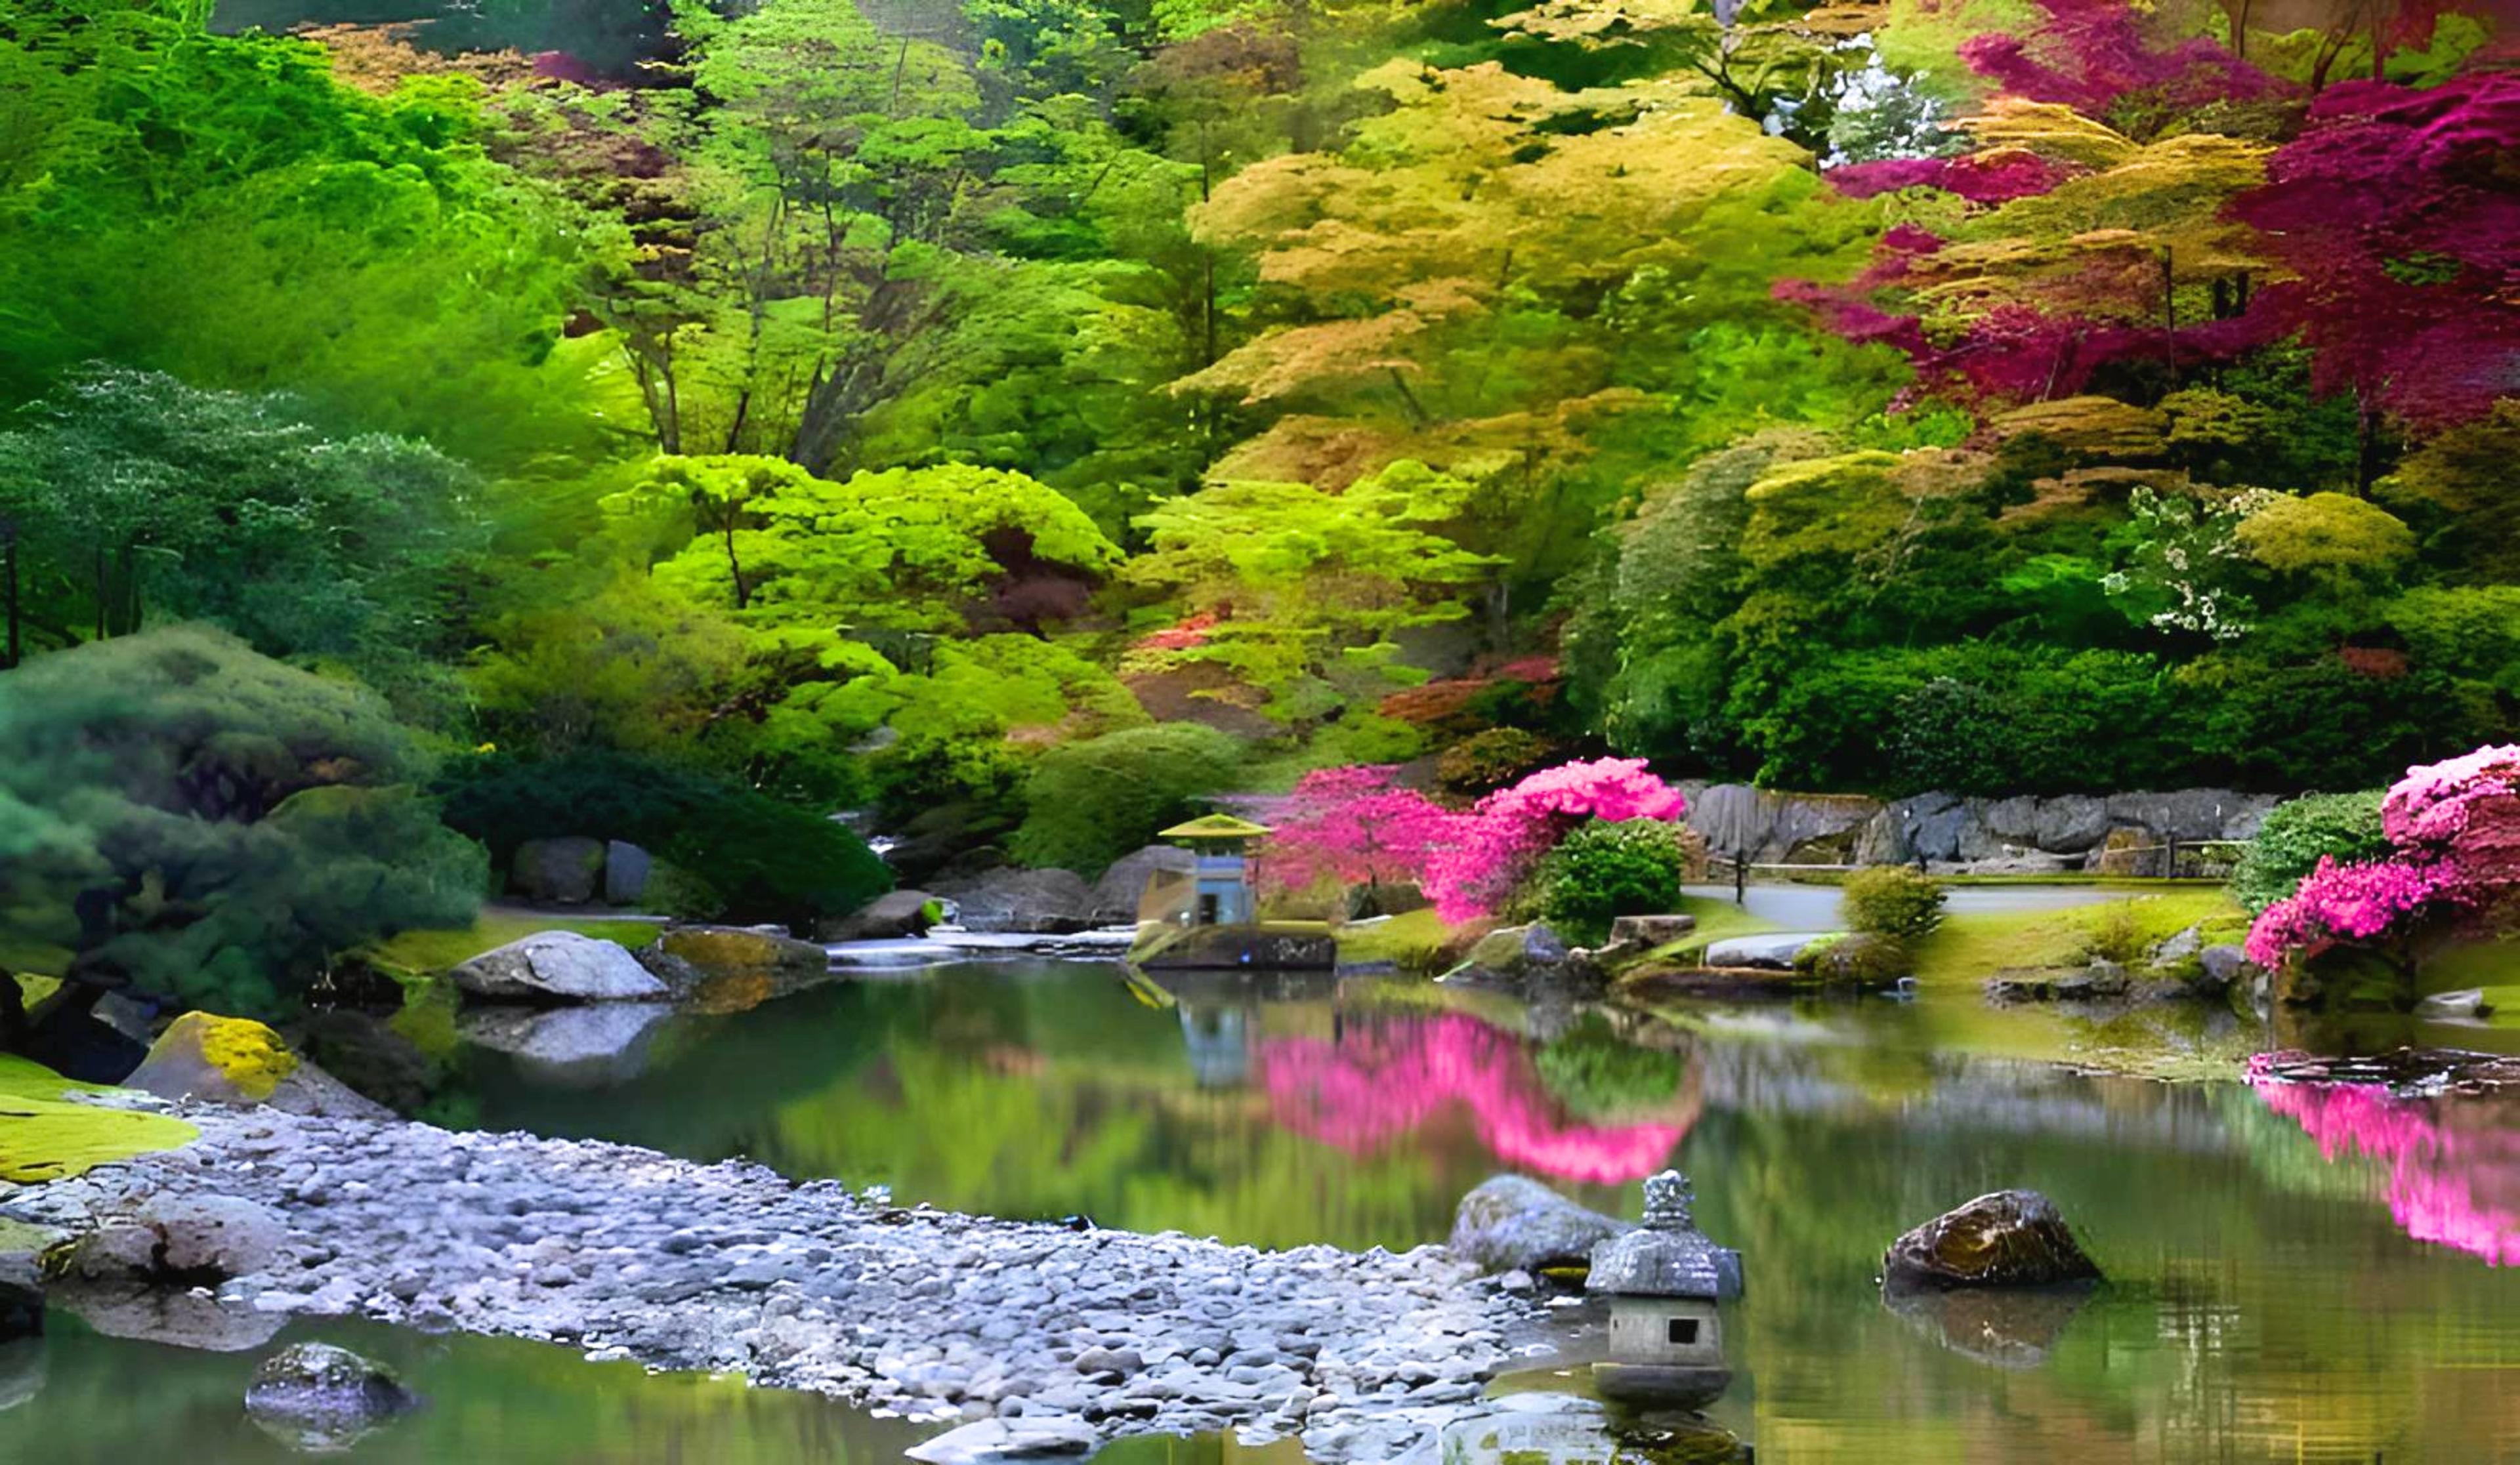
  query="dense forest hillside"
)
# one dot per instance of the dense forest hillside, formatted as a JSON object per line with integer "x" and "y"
{"x": 1021, "y": 418}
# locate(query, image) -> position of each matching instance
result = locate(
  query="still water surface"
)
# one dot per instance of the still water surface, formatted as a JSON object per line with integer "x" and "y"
{"x": 2296, "y": 1274}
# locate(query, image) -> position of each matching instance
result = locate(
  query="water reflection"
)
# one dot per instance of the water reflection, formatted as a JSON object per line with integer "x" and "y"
{"x": 2454, "y": 1160}
{"x": 2263, "y": 1300}
{"x": 1378, "y": 1081}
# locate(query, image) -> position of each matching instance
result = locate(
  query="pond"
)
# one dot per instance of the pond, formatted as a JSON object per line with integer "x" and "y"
{"x": 80, "y": 1397}
{"x": 2297, "y": 1273}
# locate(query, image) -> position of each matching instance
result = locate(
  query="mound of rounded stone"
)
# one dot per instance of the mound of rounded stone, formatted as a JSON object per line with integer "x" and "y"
{"x": 2012, "y": 1238}
{"x": 558, "y": 967}
{"x": 318, "y": 1398}
{"x": 1511, "y": 1222}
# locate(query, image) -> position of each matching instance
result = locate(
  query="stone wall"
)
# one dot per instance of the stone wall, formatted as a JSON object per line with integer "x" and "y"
{"x": 2119, "y": 833}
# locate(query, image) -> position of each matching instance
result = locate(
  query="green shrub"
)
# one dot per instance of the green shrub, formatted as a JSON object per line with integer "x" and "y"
{"x": 2297, "y": 834}
{"x": 1893, "y": 901}
{"x": 1606, "y": 870}
{"x": 202, "y": 822}
{"x": 763, "y": 860}
{"x": 1088, "y": 803}
{"x": 2115, "y": 934}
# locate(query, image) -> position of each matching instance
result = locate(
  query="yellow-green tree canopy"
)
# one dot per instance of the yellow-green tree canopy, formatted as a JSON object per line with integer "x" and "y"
{"x": 907, "y": 548}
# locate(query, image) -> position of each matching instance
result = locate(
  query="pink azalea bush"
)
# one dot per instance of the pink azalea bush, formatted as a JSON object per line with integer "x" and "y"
{"x": 2457, "y": 829}
{"x": 1355, "y": 825}
{"x": 1497, "y": 844}
{"x": 2449, "y": 807}
{"x": 2338, "y": 903}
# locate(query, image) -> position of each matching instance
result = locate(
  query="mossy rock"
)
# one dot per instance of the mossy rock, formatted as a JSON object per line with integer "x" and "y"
{"x": 229, "y": 1060}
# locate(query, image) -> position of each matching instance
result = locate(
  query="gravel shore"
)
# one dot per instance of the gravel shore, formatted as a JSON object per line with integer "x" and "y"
{"x": 627, "y": 1253}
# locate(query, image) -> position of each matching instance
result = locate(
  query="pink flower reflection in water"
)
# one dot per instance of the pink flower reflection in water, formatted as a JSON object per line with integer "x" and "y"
{"x": 2442, "y": 1173}
{"x": 1382, "y": 1080}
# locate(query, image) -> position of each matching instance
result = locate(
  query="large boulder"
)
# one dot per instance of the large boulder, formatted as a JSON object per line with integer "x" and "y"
{"x": 894, "y": 915}
{"x": 1034, "y": 902}
{"x": 2010, "y": 1238}
{"x": 1116, "y": 896}
{"x": 320, "y": 1399}
{"x": 558, "y": 967}
{"x": 565, "y": 871}
{"x": 626, "y": 868}
{"x": 188, "y": 1239}
{"x": 1513, "y": 1223}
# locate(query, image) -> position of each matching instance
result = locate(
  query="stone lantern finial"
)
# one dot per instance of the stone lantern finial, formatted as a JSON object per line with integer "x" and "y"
{"x": 1668, "y": 1196}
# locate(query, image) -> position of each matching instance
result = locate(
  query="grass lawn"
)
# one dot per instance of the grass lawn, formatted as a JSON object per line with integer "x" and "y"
{"x": 45, "y": 1137}
{"x": 425, "y": 951}
{"x": 1968, "y": 948}
{"x": 1412, "y": 936}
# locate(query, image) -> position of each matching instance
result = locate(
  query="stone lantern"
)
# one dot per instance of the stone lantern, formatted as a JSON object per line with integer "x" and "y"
{"x": 1664, "y": 1282}
{"x": 1222, "y": 895}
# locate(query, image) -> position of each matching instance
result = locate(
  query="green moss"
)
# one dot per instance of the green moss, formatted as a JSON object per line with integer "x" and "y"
{"x": 45, "y": 1137}
{"x": 253, "y": 1057}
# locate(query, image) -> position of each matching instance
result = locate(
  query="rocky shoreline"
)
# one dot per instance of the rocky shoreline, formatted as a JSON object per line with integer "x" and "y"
{"x": 1028, "y": 1334}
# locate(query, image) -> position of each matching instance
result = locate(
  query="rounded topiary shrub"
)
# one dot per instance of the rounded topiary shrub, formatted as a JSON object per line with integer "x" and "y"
{"x": 1088, "y": 803}
{"x": 1603, "y": 870}
{"x": 2298, "y": 834}
{"x": 1893, "y": 901}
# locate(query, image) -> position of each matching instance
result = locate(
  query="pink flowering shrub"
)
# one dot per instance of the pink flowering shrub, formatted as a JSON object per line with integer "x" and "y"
{"x": 2455, "y": 825}
{"x": 1497, "y": 844}
{"x": 2461, "y": 808}
{"x": 2338, "y": 903}
{"x": 1355, "y": 825}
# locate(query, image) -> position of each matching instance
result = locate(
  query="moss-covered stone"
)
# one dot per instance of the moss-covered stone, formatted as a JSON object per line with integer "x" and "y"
{"x": 44, "y": 1136}
{"x": 229, "y": 1060}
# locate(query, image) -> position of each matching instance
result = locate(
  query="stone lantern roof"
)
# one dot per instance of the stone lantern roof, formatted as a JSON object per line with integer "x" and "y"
{"x": 1215, "y": 827}
{"x": 1666, "y": 1256}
